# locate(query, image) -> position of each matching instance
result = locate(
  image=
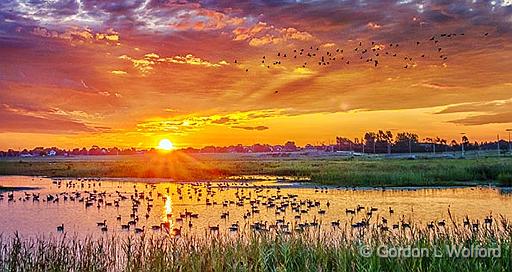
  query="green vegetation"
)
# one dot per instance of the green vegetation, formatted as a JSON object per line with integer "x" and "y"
{"x": 340, "y": 171}
{"x": 505, "y": 179}
{"x": 4, "y": 188}
{"x": 255, "y": 252}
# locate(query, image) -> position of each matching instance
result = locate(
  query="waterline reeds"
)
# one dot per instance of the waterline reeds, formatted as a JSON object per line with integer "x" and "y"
{"x": 336, "y": 250}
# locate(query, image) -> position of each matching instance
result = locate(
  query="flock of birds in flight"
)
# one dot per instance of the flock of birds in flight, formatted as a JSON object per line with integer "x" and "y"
{"x": 371, "y": 53}
{"x": 284, "y": 212}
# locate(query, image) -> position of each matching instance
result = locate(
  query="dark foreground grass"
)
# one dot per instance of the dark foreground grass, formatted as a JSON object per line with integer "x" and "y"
{"x": 323, "y": 170}
{"x": 256, "y": 252}
{"x": 276, "y": 249}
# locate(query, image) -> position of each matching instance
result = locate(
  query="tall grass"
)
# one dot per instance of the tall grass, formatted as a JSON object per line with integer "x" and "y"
{"x": 323, "y": 170}
{"x": 336, "y": 250}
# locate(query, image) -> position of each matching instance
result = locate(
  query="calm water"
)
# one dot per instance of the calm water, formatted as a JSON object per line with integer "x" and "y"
{"x": 160, "y": 201}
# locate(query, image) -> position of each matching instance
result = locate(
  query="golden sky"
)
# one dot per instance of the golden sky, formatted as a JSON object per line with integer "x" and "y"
{"x": 128, "y": 73}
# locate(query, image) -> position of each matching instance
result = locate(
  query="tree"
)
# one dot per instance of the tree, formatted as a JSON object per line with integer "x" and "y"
{"x": 406, "y": 142}
{"x": 290, "y": 146}
{"x": 386, "y": 139}
{"x": 443, "y": 142}
{"x": 431, "y": 141}
{"x": 370, "y": 138}
{"x": 465, "y": 140}
{"x": 343, "y": 143}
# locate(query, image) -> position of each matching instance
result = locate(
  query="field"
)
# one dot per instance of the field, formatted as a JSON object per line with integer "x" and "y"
{"x": 325, "y": 170}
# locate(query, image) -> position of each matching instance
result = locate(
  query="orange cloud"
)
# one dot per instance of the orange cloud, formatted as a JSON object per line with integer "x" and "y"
{"x": 185, "y": 124}
{"x": 146, "y": 64}
{"x": 118, "y": 72}
{"x": 77, "y": 35}
{"x": 373, "y": 26}
{"x": 261, "y": 34}
{"x": 244, "y": 33}
{"x": 202, "y": 19}
{"x": 252, "y": 128}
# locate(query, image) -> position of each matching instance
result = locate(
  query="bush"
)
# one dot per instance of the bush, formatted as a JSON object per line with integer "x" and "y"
{"x": 505, "y": 179}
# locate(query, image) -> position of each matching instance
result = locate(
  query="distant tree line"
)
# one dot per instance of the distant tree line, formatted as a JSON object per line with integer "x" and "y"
{"x": 406, "y": 142}
{"x": 54, "y": 151}
{"x": 381, "y": 142}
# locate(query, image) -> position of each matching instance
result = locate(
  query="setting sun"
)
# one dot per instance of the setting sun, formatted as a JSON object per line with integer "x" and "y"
{"x": 166, "y": 145}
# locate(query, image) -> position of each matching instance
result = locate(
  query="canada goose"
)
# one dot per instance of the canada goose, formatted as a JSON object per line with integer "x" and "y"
{"x": 102, "y": 224}
{"x": 466, "y": 221}
{"x": 430, "y": 225}
{"x": 155, "y": 227}
{"x": 140, "y": 230}
{"x": 213, "y": 228}
{"x": 177, "y": 231}
{"x": 233, "y": 227}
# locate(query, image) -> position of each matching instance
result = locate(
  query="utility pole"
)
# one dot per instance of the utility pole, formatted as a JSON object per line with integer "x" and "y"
{"x": 509, "y": 130}
{"x": 499, "y": 151}
{"x": 462, "y": 143}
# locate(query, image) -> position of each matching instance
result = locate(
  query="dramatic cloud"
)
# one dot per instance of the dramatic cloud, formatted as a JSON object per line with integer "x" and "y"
{"x": 22, "y": 120}
{"x": 263, "y": 34}
{"x": 205, "y": 72}
{"x": 77, "y": 35}
{"x": 251, "y": 128}
{"x": 145, "y": 64}
{"x": 185, "y": 124}
{"x": 482, "y": 113}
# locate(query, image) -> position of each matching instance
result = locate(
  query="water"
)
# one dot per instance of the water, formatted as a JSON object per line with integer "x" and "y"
{"x": 28, "y": 217}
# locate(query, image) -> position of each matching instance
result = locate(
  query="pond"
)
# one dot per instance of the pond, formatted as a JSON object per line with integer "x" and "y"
{"x": 264, "y": 203}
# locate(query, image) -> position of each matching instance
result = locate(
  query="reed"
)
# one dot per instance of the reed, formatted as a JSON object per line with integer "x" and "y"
{"x": 336, "y": 250}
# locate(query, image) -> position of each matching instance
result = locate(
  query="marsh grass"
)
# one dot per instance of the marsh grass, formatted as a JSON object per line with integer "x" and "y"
{"x": 505, "y": 179}
{"x": 336, "y": 250}
{"x": 322, "y": 170}
{"x": 6, "y": 189}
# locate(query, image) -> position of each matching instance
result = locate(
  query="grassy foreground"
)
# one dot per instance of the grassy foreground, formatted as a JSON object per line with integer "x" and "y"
{"x": 252, "y": 253}
{"x": 324, "y": 170}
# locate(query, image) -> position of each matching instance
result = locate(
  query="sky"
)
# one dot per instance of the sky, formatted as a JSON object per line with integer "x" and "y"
{"x": 128, "y": 73}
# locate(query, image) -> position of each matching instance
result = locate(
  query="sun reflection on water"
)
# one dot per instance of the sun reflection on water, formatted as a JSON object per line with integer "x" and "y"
{"x": 167, "y": 215}
{"x": 217, "y": 204}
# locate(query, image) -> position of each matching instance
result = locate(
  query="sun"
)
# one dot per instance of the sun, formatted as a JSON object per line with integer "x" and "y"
{"x": 165, "y": 145}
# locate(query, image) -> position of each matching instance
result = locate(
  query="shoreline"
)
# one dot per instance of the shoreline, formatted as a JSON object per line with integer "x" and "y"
{"x": 275, "y": 183}
{"x": 4, "y": 189}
